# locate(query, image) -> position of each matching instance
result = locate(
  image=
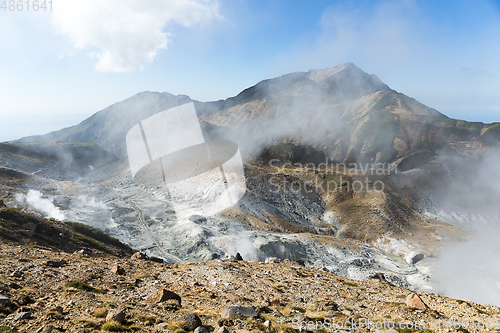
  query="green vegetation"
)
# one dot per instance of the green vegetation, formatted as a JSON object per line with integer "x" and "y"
{"x": 89, "y": 241}
{"x": 85, "y": 287}
{"x": 114, "y": 327}
{"x": 297, "y": 309}
{"x": 97, "y": 235}
{"x": 5, "y": 329}
{"x": 100, "y": 312}
{"x": 491, "y": 133}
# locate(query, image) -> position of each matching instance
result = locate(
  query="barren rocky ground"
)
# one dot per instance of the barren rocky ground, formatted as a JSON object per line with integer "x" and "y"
{"x": 48, "y": 290}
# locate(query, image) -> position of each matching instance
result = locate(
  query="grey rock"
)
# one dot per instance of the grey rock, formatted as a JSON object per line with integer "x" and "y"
{"x": 239, "y": 312}
{"x": 54, "y": 263}
{"x": 22, "y": 315}
{"x": 414, "y": 257}
{"x": 117, "y": 315}
{"x": 192, "y": 321}
{"x": 267, "y": 323}
{"x": 17, "y": 274}
{"x": 4, "y": 299}
{"x": 201, "y": 329}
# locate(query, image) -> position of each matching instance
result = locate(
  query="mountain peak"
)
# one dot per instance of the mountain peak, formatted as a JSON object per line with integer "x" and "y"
{"x": 347, "y": 80}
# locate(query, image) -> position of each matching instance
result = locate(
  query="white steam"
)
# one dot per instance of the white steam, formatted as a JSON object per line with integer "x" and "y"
{"x": 42, "y": 205}
{"x": 469, "y": 269}
{"x": 84, "y": 201}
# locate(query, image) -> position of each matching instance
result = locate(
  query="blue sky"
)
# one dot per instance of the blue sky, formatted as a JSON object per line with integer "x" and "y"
{"x": 58, "y": 67}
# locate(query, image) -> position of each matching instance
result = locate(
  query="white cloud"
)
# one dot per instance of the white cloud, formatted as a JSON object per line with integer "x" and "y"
{"x": 125, "y": 34}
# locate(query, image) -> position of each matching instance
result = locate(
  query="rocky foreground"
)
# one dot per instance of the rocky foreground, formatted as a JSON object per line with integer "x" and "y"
{"x": 46, "y": 290}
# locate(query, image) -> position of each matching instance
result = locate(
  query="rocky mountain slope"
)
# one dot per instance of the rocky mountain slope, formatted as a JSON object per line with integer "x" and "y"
{"x": 349, "y": 115}
{"x": 54, "y": 288}
{"x": 304, "y": 199}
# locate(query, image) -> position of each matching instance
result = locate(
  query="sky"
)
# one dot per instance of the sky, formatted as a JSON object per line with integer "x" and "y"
{"x": 61, "y": 64}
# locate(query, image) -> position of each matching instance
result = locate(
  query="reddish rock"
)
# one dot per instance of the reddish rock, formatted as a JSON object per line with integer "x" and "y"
{"x": 414, "y": 301}
{"x": 162, "y": 296}
{"x": 118, "y": 270}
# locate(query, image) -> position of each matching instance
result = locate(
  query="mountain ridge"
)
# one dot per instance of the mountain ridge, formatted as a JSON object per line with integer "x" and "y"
{"x": 350, "y": 115}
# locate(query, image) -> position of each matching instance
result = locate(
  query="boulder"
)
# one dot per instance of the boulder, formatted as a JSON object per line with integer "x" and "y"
{"x": 22, "y": 315}
{"x": 117, "y": 315}
{"x": 232, "y": 312}
{"x": 138, "y": 256}
{"x": 238, "y": 257}
{"x": 192, "y": 321}
{"x": 118, "y": 270}
{"x": 201, "y": 329}
{"x": 55, "y": 263}
{"x": 162, "y": 296}
{"x": 414, "y": 301}
{"x": 414, "y": 257}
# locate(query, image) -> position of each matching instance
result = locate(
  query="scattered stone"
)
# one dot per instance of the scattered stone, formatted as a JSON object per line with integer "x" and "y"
{"x": 55, "y": 263}
{"x": 192, "y": 321}
{"x": 138, "y": 256}
{"x": 17, "y": 274}
{"x": 237, "y": 257}
{"x": 267, "y": 323}
{"x": 272, "y": 261}
{"x": 117, "y": 315}
{"x": 201, "y": 329}
{"x": 414, "y": 301}
{"x": 84, "y": 252}
{"x": 118, "y": 270}
{"x": 22, "y": 315}
{"x": 58, "y": 309}
{"x": 232, "y": 312}
{"x": 4, "y": 299}
{"x": 223, "y": 329}
{"x": 162, "y": 296}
